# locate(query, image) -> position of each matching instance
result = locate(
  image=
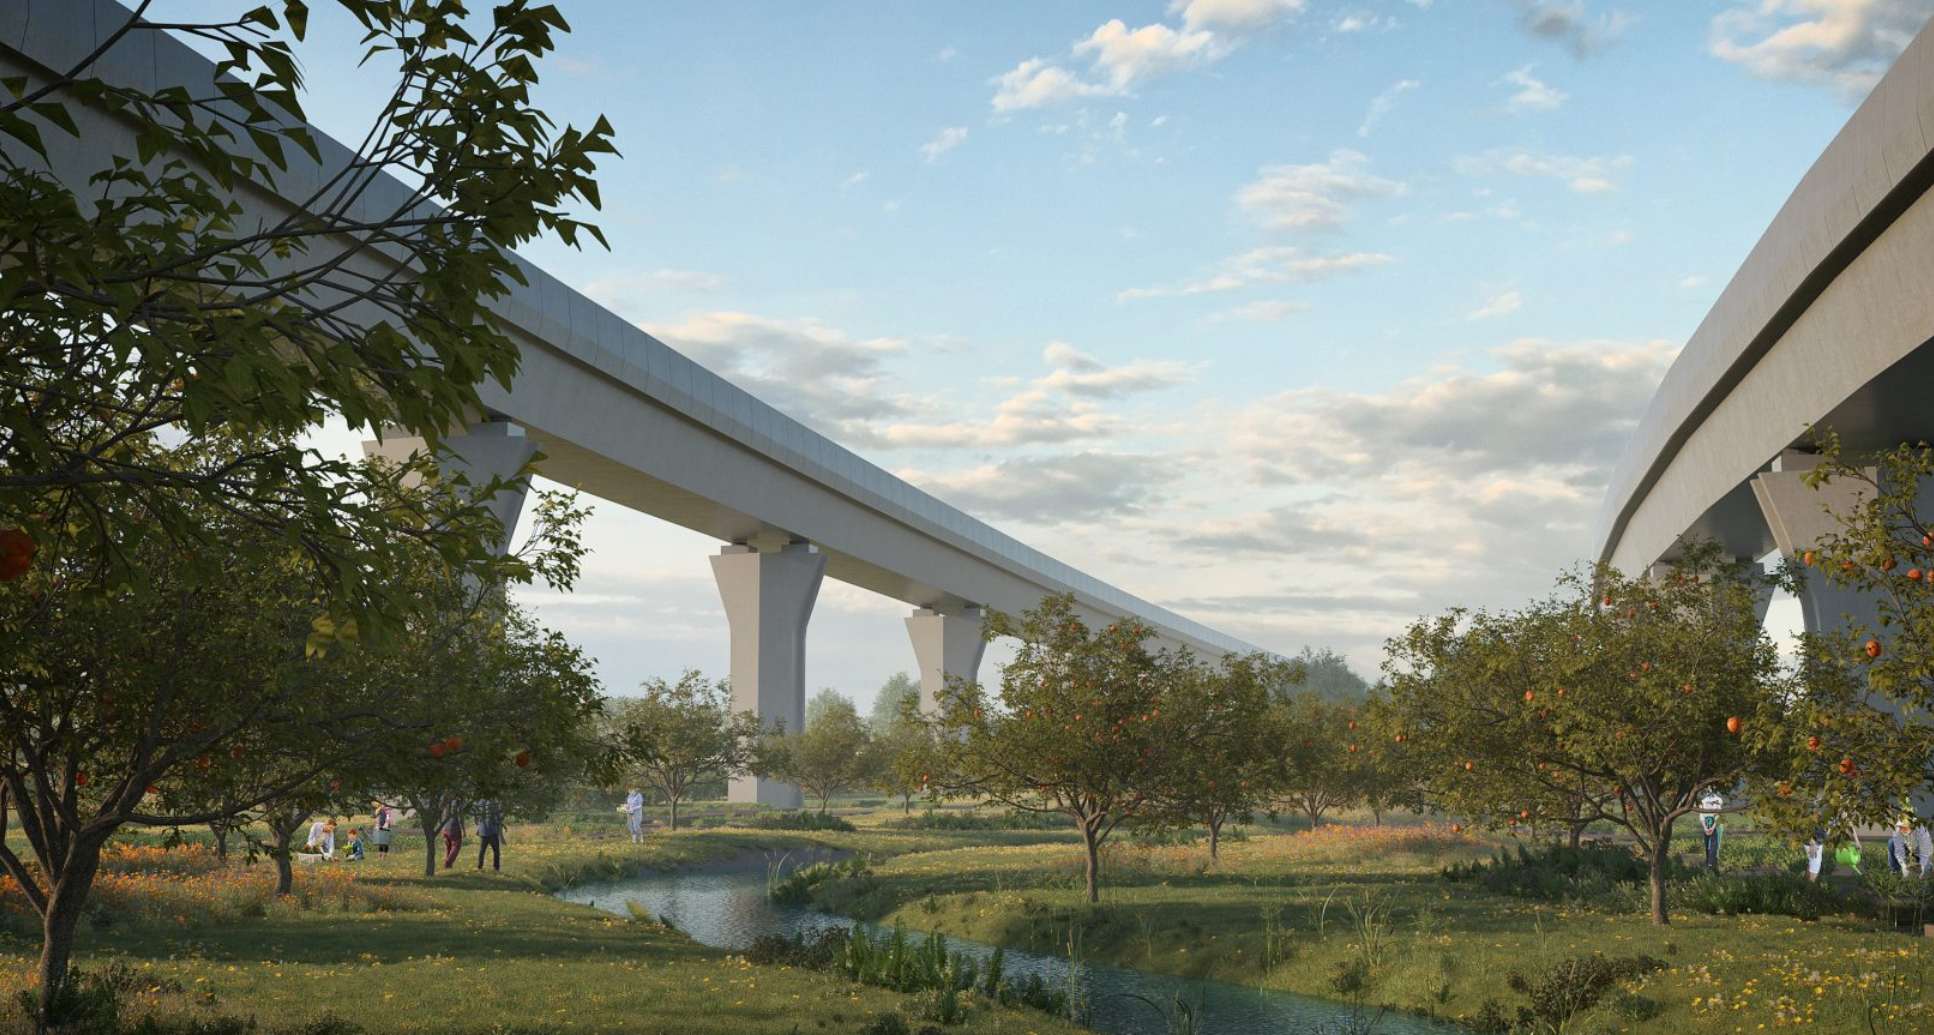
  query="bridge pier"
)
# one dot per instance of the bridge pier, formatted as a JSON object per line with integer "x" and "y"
{"x": 944, "y": 646}
{"x": 486, "y": 450}
{"x": 768, "y": 601}
{"x": 1797, "y": 514}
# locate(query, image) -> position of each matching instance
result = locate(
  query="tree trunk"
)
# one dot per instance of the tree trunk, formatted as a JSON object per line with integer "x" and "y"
{"x": 673, "y": 799}
{"x": 220, "y": 832}
{"x": 1092, "y": 842}
{"x": 1661, "y": 854}
{"x": 67, "y": 897}
{"x": 1215, "y": 839}
{"x": 824, "y": 800}
{"x": 1577, "y": 833}
{"x": 284, "y": 872}
{"x": 1315, "y": 813}
{"x": 429, "y": 845}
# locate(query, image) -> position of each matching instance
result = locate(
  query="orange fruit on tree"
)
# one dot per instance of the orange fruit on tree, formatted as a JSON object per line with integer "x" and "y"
{"x": 1813, "y": 743}
{"x": 1873, "y": 648}
{"x": 1732, "y": 724}
{"x": 1914, "y": 573}
{"x": 80, "y": 779}
{"x": 16, "y": 554}
{"x": 437, "y": 749}
{"x": 523, "y": 759}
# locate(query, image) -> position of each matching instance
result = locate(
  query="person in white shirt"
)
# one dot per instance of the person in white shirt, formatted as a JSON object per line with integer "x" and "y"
{"x": 1816, "y": 850}
{"x": 634, "y": 810}
{"x": 1924, "y": 848}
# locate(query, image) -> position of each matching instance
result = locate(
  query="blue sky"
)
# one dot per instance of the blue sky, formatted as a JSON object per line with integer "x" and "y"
{"x": 1302, "y": 317}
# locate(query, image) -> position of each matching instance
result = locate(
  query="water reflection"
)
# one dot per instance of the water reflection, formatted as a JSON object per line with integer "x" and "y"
{"x": 725, "y": 907}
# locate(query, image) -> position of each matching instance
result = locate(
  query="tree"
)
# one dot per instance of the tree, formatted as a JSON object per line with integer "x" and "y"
{"x": 824, "y": 703}
{"x": 908, "y": 758}
{"x": 833, "y": 753}
{"x": 1080, "y": 726}
{"x": 1221, "y": 712}
{"x": 890, "y": 707}
{"x": 140, "y": 296}
{"x": 1652, "y": 692}
{"x": 678, "y": 735}
{"x": 1318, "y": 743}
{"x": 1328, "y": 675}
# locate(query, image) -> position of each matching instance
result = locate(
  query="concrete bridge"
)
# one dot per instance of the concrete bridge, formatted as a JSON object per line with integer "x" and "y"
{"x": 623, "y": 417}
{"x": 1827, "y": 323}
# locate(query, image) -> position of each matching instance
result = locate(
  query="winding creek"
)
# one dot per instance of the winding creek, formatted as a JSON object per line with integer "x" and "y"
{"x": 725, "y": 907}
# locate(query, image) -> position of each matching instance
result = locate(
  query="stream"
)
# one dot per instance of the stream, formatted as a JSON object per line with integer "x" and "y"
{"x": 725, "y": 907}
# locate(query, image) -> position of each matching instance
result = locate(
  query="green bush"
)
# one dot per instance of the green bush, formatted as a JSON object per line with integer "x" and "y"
{"x": 1593, "y": 871}
{"x": 797, "y": 887}
{"x": 799, "y": 820}
{"x": 1572, "y": 986}
{"x": 1767, "y": 894}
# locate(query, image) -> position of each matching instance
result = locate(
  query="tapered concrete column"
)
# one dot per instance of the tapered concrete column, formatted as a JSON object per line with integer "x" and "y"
{"x": 944, "y": 645}
{"x": 768, "y": 601}
{"x": 1800, "y": 517}
{"x": 492, "y": 449}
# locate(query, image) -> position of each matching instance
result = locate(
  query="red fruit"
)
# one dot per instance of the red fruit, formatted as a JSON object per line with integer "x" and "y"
{"x": 152, "y": 789}
{"x": 1807, "y": 558}
{"x": 1524, "y": 814}
{"x": 1887, "y": 565}
{"x": 1353, "y": 724}
{"x": 16, "y": 554}
{"x": 335, "y": 785}
{"x": 1646, "y": 665}
{"x": 1687, "y": 688}
{"x": 1846, "y": 565}
{"x": 1846, "y": 766}
{"x": 1352, "y": 749}
{"x": 1457, "y": 828}
{"x": 523, "y": 759}
{"x": 1786, "y": 790}
{"x": 453, "y": 744}
{"x": 1914, "y": 573}
{"x": 1732, "y": 724}
{"x": 1469, "y": 767}
{"x": 80, "y": 779}
{"x": 204, "y": 762}
{"x": 1813, "y": 743}
{"x": 1561, "y": 691}
{"x": 437, "y": 749}
{"x": 1399, "y": 738}
{"x": 1528, "y": 696}
{"x": 1873, "y": 648}
{"x": 236, "y": 752}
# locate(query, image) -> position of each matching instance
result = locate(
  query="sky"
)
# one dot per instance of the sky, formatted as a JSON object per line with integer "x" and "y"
{"x": 1303, "y": 318}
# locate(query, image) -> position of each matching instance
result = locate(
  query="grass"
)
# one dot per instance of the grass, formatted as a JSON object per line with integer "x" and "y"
{"x": 464, "y": 951}
{"x": 1314, "y": 913}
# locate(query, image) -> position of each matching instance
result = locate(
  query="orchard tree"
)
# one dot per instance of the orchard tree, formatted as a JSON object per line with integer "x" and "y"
{"x": 896, "y": 705}
{"x": 1222, "y": 713}
{"x": 1318, "y": 744}
{"x": 833, "y": 753}
{"x": 676, "y": 736}
{"x": 141, "y": 297}
{"x": 1081, "y": 725}
{"x": 1649, "y": 693}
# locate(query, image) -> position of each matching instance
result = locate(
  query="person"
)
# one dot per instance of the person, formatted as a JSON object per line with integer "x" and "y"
{"x": 1924, "y": 847}
{"x": 1898, "y": 847}
{"x": 490, "y": 833}
{"x": 381, "y": 835}
{"x": 1711, "y": 827}
{"x": 354, "y": 851}
{"x": 314, "y": 844}
{"x": 452, "y": 838}
{"x": 634, "y": 810}
{"x": 1816, "y": 851}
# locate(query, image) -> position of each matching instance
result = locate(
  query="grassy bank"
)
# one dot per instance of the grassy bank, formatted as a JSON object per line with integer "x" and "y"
{"x": 1358, "y": 908}
{"x": 377, "y": 945}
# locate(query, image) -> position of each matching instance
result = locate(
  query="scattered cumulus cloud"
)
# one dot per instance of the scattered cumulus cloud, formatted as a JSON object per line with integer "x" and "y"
{"x": 816, "y": 374}
{"x": 1052, "y": 490}
{"x": 1266, "y": 311}
{"x": 1381, "y": 104}
{"x": 1572, "y": 24}
{"x": 1693, "y": 282}
{"x": 627, "y": 294}
{"x": 1504, "y": 303}
{"x": 1119, "y": 58}
{"x": 1843, "y": 45}
{"x": 1278, "y": 264}
{"x": 949, "y": 138}
{"x": 1304, "y": 198}
{"x": 1533, "y": 94}
{"x": 1590, "y": 175}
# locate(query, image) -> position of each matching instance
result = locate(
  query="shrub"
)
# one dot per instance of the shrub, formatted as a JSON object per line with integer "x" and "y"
{"x": 1592, "y": 871}
{"x": 1012, "y": 819}
{"x": 1572, "y": 986}
{"x": 797, "y": 887}
{"x": 799, "y": 820}
{"x": 1769, "y": 894}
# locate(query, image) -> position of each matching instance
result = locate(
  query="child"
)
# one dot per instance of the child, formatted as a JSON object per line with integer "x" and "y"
{"x": 355, "y": 848}
{"x": 1815, "y": 853}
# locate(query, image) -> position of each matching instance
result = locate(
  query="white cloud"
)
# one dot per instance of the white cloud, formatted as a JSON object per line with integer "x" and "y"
{"x": 1533, "y": 93}
{"x": 1568, "y": 22}
{"x": 1693, "y": 282}
{"x": 1267, "y": 311}
{"x": 856, "y": 179}
{"x": 628, "y": 294}
{"x": 1077, "y": 487}
{"x": 1381, "y": 104}
{"x": 1301, "y": 198}
{"x": 1035, "y": 83}
{"x": 1279, "y": 264}
{"x": 946, "y": 54}
{"x": 1129, "y": 56}
{"x": 1593, "y": 175}
{"x": 818, "y": 375}
{"x": 1237, "y": 16}
{"x": 1504, "y": 303}
{"x": 949, "y": 138}
{"x": 1844, "y": 45}
{"x": 1078, "y": 373}
{"x": 1120, "y": 58}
